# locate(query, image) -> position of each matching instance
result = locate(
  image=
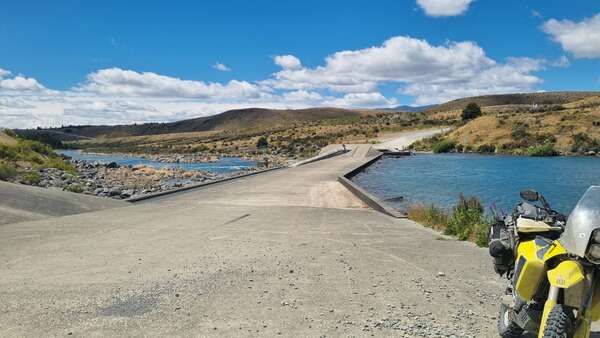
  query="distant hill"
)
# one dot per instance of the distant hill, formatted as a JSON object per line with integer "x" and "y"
{"x": 229, "y": 120}
{"x": 409, "y": 109}
{"x": 514, "y": 99}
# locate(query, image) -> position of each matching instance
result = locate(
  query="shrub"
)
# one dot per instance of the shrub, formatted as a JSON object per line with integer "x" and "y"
{"x": 546, "y": 149}
{"x": 10, "y": 133}
{"x": 32, "y": 177}
{"x": 74, "y": 188}
{"x": 519, "y": 131}
{"x": 262, "y": 142}
{"x": 58, "y": 163}
{"x": 583, "y": 143}
{"x": 467, "y": 216}
{"x": 444, "y": 146}
{"x": 486, "y": 149}
{"x": 471, "y": 111}
{"x": 429, "y": 215}
{"x": 467, "y": 220}
{"x": 8, "y": 152}
{"x": 7, "y": 171}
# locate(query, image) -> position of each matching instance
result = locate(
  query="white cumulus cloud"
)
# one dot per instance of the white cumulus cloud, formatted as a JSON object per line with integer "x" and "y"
{"x": 287, "y": 61}
{"x": 4, "y": 73}
{"x": 582, "y": 38}
{"x": 431, "y": 73}
{"x": 349, "y": 78}
{"x": 362, "y": 100}
{"x": 121, "y": 82}
{"x": 221, "y": 67}
{"x": 444, "y": 7}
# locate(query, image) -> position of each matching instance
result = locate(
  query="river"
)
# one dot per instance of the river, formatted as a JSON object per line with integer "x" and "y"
{"x": 222, "y": 166}
{"x": 440, "y": 178}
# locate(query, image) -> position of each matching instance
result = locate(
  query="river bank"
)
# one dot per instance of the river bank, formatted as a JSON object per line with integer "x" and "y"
{"x": 119, "y": 182}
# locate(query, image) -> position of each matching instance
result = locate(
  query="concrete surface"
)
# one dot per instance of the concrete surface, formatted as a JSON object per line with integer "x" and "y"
{"x": 287, "y": 253}
{"x": 400, "y": 141}
{"x": 20, "y": 203}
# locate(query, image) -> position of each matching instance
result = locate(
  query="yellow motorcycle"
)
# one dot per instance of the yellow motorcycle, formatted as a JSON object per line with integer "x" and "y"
{"x": 552, "y": 265}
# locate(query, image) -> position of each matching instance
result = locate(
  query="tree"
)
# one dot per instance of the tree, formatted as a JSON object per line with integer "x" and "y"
{"x": 471, "y": 111}
{"x": 262, "y": 142}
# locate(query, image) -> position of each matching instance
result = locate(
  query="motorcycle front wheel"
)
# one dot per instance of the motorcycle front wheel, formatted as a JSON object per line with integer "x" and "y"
{"x": 559, "y": 323}
{"x": 506, "y": 326}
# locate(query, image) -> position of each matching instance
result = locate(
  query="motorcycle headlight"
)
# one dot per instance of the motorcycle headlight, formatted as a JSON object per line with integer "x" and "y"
{"x": 594, "y": 252}
{"x": 596, "y": 236}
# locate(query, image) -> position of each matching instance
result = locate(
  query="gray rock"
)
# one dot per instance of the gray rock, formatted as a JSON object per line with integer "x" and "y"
{"x": 114, "y": 191}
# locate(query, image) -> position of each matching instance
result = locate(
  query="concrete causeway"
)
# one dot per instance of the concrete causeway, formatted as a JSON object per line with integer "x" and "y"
{"x": 286, "y": 253}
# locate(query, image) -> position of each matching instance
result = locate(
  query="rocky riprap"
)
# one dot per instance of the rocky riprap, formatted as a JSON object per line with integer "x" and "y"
{"x": 120, "y": 182}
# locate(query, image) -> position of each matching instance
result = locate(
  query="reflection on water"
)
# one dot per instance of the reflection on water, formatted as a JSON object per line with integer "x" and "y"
{"x": 224, "y": 165}
{"x": 440, "y": 178}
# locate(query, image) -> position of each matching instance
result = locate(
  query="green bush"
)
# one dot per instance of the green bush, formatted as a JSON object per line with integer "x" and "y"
{"x": 546, "y": 149}
{"x": 262, "y": 142}
{"x": 7, "y": 152}
{"x": 32, "y": 177}
{"x": 468, "y": 221}
{"x": 74, "y": 188}
{"x": 444, "y": 146}
{"x": 583, "y": 143}
{"x": 486, "y": 149}
{"x": 10, "y": 133}
{"x": 7, "y": 171}
{"x": 471, "y": 111}
{"x": 58, "y": 163}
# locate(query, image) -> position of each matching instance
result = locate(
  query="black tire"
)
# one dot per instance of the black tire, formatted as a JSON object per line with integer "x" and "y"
{"x": 559, "y": 323}
{"x": 506, "y": 326}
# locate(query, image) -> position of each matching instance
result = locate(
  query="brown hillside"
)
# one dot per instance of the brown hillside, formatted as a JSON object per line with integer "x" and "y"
{"x": 249, "y": 118}
{"x": 514, "y": 99}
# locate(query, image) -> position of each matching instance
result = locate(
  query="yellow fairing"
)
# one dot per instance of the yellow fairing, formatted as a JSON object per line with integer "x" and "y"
{"x": 596, "y": 302}
{"x": 529, "y": 270}
{"x": 566, "y": 275}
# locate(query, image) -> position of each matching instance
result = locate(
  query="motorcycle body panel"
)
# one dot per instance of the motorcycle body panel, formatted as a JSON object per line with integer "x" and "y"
{"x": 529, "y": 268}
{"x": 566, "y": 275}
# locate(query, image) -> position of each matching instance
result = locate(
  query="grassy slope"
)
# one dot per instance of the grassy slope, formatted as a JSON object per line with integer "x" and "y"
{"x": 7, "y": 140}
{"x": 21, "y": 158}
{"x": 515, "y": 129}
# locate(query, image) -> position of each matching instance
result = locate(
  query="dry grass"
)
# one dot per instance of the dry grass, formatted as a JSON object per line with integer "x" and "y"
{"x": 7, "y": 140}
{"x": 496, "y": 127}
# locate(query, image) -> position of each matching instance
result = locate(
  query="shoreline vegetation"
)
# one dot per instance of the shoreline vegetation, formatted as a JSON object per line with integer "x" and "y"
{"x": 466, "y": 221}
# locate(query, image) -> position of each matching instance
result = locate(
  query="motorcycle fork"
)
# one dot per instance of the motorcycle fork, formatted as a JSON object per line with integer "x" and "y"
{"x": 548, "y": 305}
{"x": 584, "y": 314}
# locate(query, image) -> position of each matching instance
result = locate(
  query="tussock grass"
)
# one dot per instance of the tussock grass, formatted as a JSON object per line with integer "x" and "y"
{"x": 466, "y": 221}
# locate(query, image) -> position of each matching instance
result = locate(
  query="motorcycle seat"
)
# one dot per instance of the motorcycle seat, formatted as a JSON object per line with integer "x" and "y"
{"x": 527, "y": 225}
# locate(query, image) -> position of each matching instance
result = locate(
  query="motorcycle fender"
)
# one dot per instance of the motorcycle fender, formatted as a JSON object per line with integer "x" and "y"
{"x": 566, "y": 275}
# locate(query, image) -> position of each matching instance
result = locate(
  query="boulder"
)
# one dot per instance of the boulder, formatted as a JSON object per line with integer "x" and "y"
{"x": 114, "y": 191}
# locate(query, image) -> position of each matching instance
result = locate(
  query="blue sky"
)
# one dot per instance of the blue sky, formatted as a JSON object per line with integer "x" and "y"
{"x": 135, "y": 61}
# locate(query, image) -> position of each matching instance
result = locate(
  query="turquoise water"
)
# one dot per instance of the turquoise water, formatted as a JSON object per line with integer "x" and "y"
{"x": 224, "y": 165}
{"x": 440, "y": 178}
